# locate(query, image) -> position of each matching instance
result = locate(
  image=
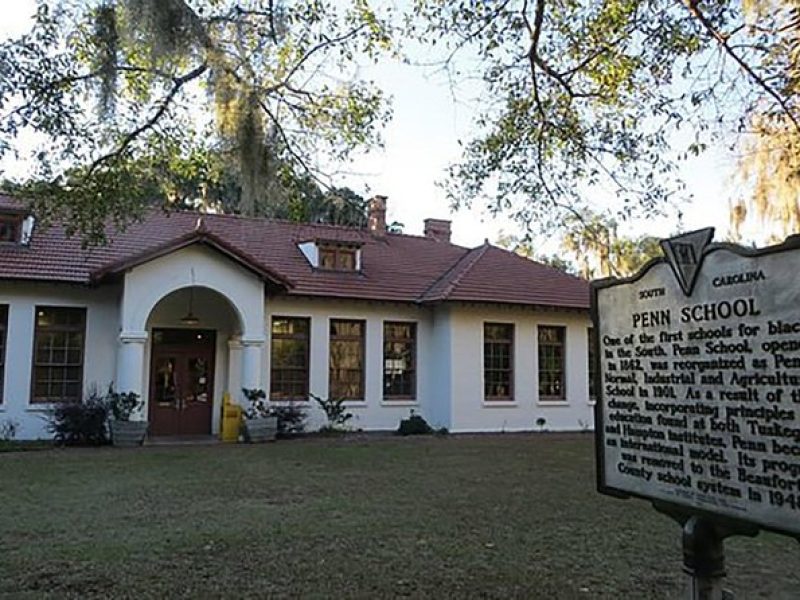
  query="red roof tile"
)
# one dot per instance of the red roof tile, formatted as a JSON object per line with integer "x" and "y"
{"x": 394, "y": 267}
{"x": 491, "y": 274}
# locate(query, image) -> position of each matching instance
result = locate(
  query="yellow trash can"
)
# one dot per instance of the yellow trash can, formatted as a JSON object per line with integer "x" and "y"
{"x": 231, "y": 420}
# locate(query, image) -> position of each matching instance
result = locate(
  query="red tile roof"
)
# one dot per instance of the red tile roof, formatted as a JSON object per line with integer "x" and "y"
{"x": 394, "y": 267}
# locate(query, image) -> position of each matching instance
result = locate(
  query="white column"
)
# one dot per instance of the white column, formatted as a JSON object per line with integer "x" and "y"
{"x": 252, "y": 353}
{"x": 130, "y": 362}
{"x": 235, "y": 366}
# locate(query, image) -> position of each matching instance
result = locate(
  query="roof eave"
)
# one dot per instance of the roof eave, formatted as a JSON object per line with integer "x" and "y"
{"x": 204, "y": 238}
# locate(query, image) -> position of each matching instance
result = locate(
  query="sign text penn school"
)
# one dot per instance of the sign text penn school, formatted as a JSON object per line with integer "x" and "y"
{"x": 698, "y": 359}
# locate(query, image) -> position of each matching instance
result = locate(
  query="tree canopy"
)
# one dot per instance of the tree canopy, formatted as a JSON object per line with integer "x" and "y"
{"x": 135, "y": 98}
{"x": 591, "y": 247}
{"x": 584, "y": 102}
{"x": 586, "y": 99}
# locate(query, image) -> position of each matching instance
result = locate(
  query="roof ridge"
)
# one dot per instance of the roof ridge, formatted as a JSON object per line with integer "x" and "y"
{"x": 167, "y": 212}
{"x": 478, "y": 251}
{"x": 538, "y": 263}
{"x": 352, "y": 228}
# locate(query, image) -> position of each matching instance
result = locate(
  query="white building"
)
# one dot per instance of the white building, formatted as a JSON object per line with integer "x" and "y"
{"x": 183, "y": 308}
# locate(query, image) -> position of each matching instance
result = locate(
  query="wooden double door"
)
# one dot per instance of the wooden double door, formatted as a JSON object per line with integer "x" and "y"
{"x": 182, "y": 382}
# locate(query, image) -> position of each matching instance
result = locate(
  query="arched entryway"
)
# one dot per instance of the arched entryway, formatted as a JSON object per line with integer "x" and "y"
{"x": 226, "y": 302}
{"x": 189, "y": 360}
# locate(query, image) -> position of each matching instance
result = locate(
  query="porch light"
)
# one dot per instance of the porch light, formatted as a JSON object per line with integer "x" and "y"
{"x": 190, "y": 318}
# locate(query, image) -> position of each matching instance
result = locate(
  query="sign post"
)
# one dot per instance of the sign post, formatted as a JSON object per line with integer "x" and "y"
{"x": 698, "y": 409}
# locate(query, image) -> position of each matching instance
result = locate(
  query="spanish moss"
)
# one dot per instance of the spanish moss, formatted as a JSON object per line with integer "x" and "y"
{"x": 105, "y": 40}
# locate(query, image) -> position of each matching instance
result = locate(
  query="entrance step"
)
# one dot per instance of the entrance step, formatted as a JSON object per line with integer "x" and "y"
{"x": 182, "y": 440}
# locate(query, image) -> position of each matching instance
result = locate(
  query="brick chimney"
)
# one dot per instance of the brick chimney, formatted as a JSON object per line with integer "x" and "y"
{"x": 437, "y": 229}
{"x": 376, "y": 215}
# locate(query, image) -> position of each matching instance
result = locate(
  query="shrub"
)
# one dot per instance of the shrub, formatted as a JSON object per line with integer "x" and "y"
{"x": 8, "y": 430}
{"x": 291, "y": 419}
{"x": 414, "y": 425}
{"x": 259, "y": 407}
{"x": 122, "y": 405}
{"x": 80, "y": 424}
{"x": 334, "y": 410}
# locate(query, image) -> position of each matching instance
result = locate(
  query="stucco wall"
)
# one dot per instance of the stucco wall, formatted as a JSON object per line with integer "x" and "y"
{"x": 469, "y": 410}
{"x": 440, "y": 388}
{"x": 102, "y": 329}
{"x": 449, "y": 346}
{"x": 373, "y": 412}
{"x": 147, "y": 284}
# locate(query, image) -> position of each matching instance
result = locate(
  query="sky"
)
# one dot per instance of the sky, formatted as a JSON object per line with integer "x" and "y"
{"x": 422, "y": 140}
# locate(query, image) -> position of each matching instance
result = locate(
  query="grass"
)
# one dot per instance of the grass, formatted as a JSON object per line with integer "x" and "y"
{"x": 459, "y": 516}
{"x": 24, "y": 445}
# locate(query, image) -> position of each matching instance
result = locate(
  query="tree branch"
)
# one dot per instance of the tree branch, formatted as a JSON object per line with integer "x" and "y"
{"x": 534, "y": 31}
{"x": 288, "y": 144}
{"x": 179, "y": 82}
{"x": 722, "y": 39}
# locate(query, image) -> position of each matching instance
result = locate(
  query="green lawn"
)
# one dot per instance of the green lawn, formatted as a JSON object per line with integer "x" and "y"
{"x": 459, "y": 516}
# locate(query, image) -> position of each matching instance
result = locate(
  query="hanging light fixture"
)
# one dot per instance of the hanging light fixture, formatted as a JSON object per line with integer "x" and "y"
{"x": 190, "y": 318}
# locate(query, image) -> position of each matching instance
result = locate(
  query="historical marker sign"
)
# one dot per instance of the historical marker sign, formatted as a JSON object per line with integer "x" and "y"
{"x": 699, "y": 369}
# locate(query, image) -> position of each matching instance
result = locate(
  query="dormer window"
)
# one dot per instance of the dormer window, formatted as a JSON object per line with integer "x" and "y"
{"x": 339, "y": 258}
{"x": 332, "y": 255}
{"x": 10, "y": 228}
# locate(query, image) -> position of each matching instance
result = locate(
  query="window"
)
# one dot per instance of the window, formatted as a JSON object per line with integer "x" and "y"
{"x": 58, "y": 354}
{"x": 592, "y": 367}
{"x": 498, "y": 361}
{"x": 289, "y": 358}
{"x": 551, "y": 363}
{"x": 399, "y": 361}
{"x": 10, "y": 228}
{"x": 347, "y": 359}
{"x": 337, "y": 258}
{"x": 3, "y": 329}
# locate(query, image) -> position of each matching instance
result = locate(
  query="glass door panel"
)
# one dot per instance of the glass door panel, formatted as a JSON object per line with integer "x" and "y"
{"x": 165, "y": 388}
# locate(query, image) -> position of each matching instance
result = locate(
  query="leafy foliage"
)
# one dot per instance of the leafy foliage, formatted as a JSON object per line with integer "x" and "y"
{"x": 586, "y": 99}
{"x": 523, "y": 246}
{"x": 122, "y": 405}
{"x": 291, "y": 419}
{"x": 193, "y": 99}
{"x": 594, "y": 242}
{"x": 595, "y": 246}
{"x": 259, "y": 407}
{"x": 770, "y": 171}
{"x": 414, "y": 425}
{"x": 8, "y": 430}
{"x": 81, "y": 423}
{"x": 335, "y": 411}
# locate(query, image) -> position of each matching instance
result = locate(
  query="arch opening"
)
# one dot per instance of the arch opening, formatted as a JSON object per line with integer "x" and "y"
{"x": 190, "y": 363}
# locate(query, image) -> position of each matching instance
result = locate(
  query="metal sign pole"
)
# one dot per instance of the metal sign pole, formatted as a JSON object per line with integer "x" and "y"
{"x": 703, "y": 549}
{"x": 704, "y": 560}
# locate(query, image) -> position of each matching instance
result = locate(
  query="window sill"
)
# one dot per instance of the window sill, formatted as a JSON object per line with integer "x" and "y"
{"x": 42, "y": 407}
{"x": 338, "y": 271}
{"x": 355, "y": 403}
{"x": 400, "y": 402}
{"x": 288, "y": 402}
{"x": 553, "y": 402}
{"x": 500, "y": 404}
